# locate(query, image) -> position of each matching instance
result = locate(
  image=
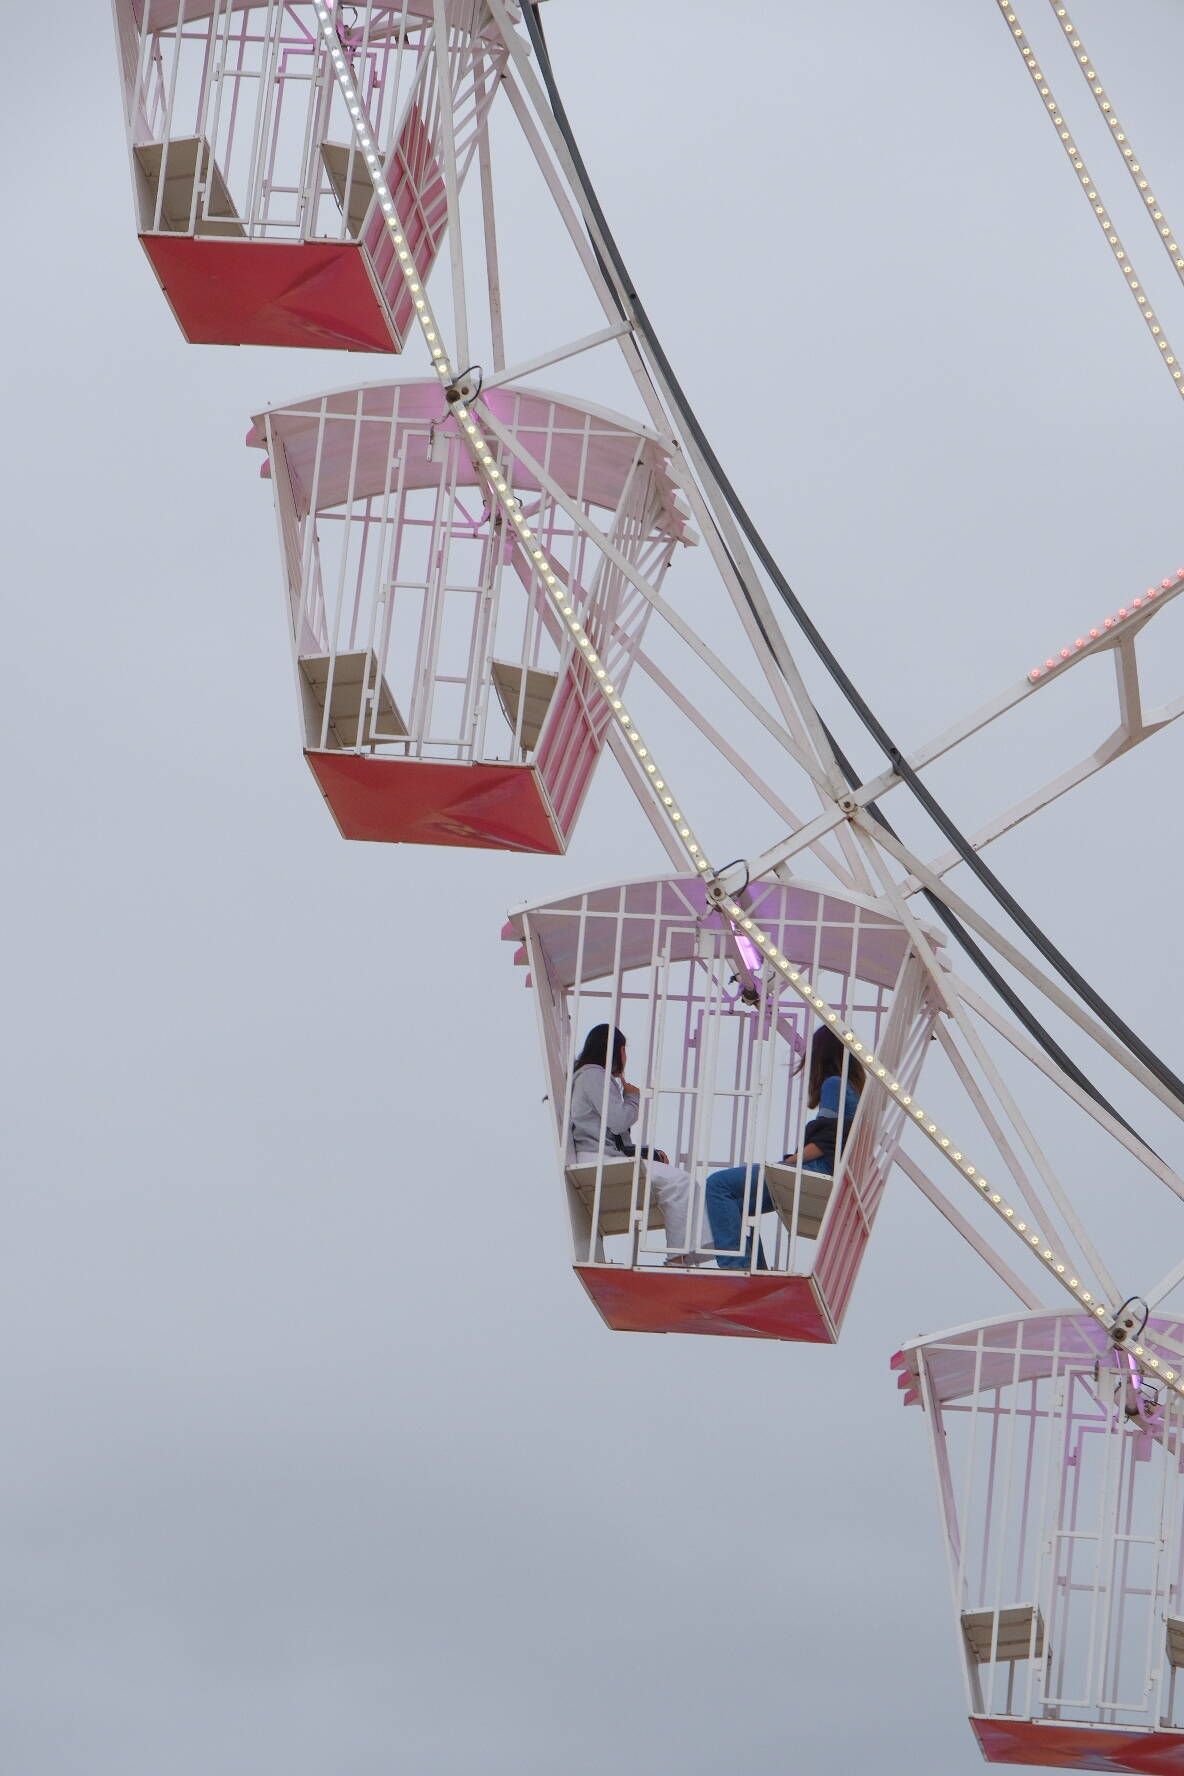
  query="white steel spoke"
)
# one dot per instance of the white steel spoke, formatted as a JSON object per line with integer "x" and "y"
{"x": 991, "y": 1074}
{"x": 1116, "y": 633}
{"x": 970, "y": 1234}
{"x": 1033, "y": 1053}
{"x": 560, "y": 355}
{"x": 634, "y": 774}
{"x": 451, "y": 180}
{"x": 1011, "y": 953}
{"x": 683, "y": 629}
{"x": 727, "y": 546}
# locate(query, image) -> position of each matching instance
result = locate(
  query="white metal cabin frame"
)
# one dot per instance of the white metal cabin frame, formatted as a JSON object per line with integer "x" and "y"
{"x": 717, "y": 1048}
{"x": 1059, "y": 1471}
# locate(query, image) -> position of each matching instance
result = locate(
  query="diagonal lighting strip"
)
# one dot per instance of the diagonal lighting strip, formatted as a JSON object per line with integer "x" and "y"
{"x": 368, "y": 148}
{"x": 1122, "y": 140}
{"x": 482, "y": 454}
{"x": 1091, "y": 191}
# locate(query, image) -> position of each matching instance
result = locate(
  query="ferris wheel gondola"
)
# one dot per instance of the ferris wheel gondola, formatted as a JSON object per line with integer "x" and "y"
{"x": 717, "y": 1044}
{"x": 258, "y": 214}
{"x": 443, "y": 701}
{"x": 1060, "y": 1472}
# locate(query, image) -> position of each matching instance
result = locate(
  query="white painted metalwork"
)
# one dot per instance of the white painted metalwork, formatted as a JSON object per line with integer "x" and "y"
{"x": 869, "y": 860}
{"x": 1059, "y": 1480}
{"x": 239, "y": 131}
{"x": 470, "y": 564}
{"x": 716, "y": 1044}
{"x": 419, "y": 624}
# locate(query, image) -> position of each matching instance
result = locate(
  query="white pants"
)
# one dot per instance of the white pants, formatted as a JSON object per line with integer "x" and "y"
{"x": 674, "y": 1191}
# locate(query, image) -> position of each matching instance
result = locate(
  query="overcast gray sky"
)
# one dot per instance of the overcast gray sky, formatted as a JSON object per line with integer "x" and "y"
{"x": 316, "y": 1458}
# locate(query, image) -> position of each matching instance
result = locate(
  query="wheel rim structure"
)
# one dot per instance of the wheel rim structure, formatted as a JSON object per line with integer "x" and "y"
{"x": 398, "y": 181}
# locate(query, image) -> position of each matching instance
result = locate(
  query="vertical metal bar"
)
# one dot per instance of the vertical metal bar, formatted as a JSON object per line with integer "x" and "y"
{"x": 460, "y": 313}
{"x": 485, "y": 170}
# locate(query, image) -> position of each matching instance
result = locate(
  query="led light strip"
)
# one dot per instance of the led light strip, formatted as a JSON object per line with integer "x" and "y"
{"x": 483, "y": 457}
{"x": 1090, "y": 74}
{"x": 1079, "y": 166}
{"x": 1109, "y": 624}
{"x": 369, "y": 151}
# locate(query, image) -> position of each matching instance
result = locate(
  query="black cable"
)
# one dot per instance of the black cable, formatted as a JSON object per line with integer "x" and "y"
{"x": 638, "y": 317}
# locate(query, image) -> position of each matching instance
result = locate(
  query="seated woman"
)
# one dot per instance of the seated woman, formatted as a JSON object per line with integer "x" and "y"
{"x": 612, "y": 1112}
{"x": 726, "y": 1190}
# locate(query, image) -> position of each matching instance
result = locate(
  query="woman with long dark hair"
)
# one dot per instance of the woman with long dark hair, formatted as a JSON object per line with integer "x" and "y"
{"x": 834, "y": 1110}
{"x": 604, "y": 1108}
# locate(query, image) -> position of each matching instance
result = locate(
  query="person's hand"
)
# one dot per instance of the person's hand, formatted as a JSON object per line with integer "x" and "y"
{"x": 660, "y": 1157}
{"x": 788, "y": 1159}
{"x": 630, "y": 1090}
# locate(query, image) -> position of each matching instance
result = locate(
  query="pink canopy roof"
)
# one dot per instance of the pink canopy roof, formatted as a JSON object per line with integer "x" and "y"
{"x": 951, "y": 1357}
{"x": 588, "y": 450}
{"x": 163, "y": 14}
{"x": 676, "y": 907}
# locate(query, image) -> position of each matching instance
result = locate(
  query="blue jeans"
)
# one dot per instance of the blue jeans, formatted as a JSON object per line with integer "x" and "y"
{"x": 725, "y": 1211}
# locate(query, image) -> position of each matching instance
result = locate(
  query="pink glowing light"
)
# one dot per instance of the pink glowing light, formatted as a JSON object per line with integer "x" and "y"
{"x": 1108, "y": 623}
{"x": 750, "y": 953}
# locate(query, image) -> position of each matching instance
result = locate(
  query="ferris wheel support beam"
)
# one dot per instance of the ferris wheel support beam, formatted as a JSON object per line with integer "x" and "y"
{"x": 497, "y": 332}
{"x": 969, "y": 1233}
{"x": 516, "y": 449}
{"x": 714, "y": 520}
{"x": 1041, "y": 1209}
{"x": 735, "y": 758}
{"x": 1134, "y": 728}
{"x": 1165, "y": 1285}
{"x": 1072, "y": 1228}
{"x": 1032, "y": 1052}
{"x": 857, "y": 875}
{"x": 639, "y": 783}
{"x": 561, "y": 355}
{"x": 1117, "y": 635}
{"x": 460, "y": 312}
{"x": 1010, "y": 953}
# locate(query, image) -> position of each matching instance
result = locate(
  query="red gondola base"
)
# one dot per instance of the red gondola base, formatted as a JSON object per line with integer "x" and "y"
{"x": 425, "y": 802}
{"x": 1071, "y": 1745}
{"x": 296, "y": 293}
{"x": 769, "y": 1305}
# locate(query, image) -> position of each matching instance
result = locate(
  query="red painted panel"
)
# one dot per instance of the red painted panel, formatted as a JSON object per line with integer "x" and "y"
{"x": 301, "y": 293}
{"x": 568, "y": 751}
{"x": 414, "y": 802}
{"x": 841, "y": 1249}
{"x": 712, "y": 1301}
{"x": 1067, "y": 1745}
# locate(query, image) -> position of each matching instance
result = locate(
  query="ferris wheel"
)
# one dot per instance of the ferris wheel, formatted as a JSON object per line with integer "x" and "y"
{"x": 483, "y": 582}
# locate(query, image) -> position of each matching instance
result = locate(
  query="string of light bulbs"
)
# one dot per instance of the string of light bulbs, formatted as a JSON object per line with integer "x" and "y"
{"x": 1122, "y": 140}
{"x": 1077, "y": 161}
{"x": 484, "y": 458}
